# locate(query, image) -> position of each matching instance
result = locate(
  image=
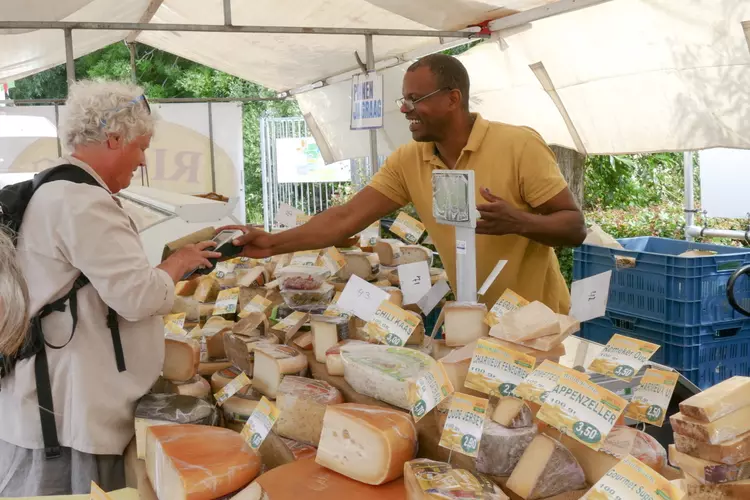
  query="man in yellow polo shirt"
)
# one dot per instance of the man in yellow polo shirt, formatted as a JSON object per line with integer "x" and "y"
{"x": 526, "y": 206}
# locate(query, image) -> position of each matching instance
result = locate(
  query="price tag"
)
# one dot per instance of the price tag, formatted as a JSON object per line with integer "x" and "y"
{"x": 333, "y": 260}
{"x": 361, "y": 298}
{"x": 370, "y": 235}
{"x": 407, "y": 228}
{"x": 581, "y": 409}
{"x": 259, "y": 304}
{"x": 428, "y": 391}
{"x": 495, "y": 368}
{"x": 465, "y": 424}
{"x": 541, "y": 381}
{"x": 588, "y": 297}
{"x": 651, "y": 398}
{"x": 174, "y": 329}
{"x": 225, "y": 267}
{"x": 306, "y": 258}
{"x": 97, "y": 493}
{"x": 391, "y": 325}
{"x": 631, "y": 479}
{"x": 492, "y": 277}
{"x": 177, "y": 320}
{"x": 287, "y": 215}
{"x": 434, "y": 296}
{"x": 260, "y": 423}
{"x": 226, "y": 302}
{"x": 415, "y": 281}
{"x": 231, "y": 388}
{"x": 622, "y": 357}
{"x": 292, "y": 323}
{"x": 508, "y": 301}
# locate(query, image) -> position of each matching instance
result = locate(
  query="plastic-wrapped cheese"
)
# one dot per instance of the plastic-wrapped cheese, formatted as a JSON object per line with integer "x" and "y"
{"x": 239, "y": 407}
{"x": 181, "y": 358}
{"x": 729, "y": 452}
{"x": 302, "y": 277}
{"x": 302, "y": 403}
{"x": 723, "y": 429}
{"x": 623, "y": 441}
{"x": 334, "y": 363}
{"x": 501, "y": 448}
{"x": 272, "y": 364}
{"x": 367, "y": 443}
{"x": 306, "y": 480}
{"x": 191, "y": 462}
{"x": 170, "y": 409}
{"x": 464, "y": 323}
{"x": 430, "y": 480}
{"x": 546, "y": 469}
{"x": 384, "y": 372}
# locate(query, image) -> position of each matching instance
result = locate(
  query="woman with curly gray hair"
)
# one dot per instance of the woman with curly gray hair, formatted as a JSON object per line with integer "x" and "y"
{"x": 14, "y": 299}
{"x": 57, "y": 437}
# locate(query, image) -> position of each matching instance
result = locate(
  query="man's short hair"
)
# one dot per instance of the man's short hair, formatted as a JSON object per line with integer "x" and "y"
{"x": 449, "y": 72}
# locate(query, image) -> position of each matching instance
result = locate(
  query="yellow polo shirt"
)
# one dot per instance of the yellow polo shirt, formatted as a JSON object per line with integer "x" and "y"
{"x": 516, "y": 165}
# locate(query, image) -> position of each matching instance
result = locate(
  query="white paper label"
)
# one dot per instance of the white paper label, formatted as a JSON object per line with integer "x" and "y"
{"x": 287, "y": 215}
{"x": 460, "y": 247}
{"x": 361, "y": 298}
{"x": 415, "y": 281}
{"x": 434, "y": 296}
{"x": 589, "y": 297}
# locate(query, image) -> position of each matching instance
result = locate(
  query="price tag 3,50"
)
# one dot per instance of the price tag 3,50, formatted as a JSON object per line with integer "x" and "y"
{"x": 260, "y": 423}
{"x": 623, "y": 357}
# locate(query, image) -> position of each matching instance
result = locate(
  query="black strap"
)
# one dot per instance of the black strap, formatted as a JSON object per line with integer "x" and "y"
{"x": 44, "y": 396}
{"x": 114, "y": 327}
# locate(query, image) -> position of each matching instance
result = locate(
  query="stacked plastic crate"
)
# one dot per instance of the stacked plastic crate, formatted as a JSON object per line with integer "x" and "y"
{"x": 677, "y": 302}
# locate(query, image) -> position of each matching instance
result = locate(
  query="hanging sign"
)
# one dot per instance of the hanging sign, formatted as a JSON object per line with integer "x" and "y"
{"x": 367, "y": 101}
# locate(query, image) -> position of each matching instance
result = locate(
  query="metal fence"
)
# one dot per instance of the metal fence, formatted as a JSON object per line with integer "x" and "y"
{"x": 310, "y": 197}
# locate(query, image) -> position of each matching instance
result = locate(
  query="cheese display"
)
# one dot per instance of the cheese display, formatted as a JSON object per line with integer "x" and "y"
{"x": 239, "y": 407}
{"x": 309, "y": 300}
{"x": 464, "y": 323}
{"x": 430, "y": 480}
{"x": 207, "y": 290}
{"x": 327, "y": 331}
{"x": 334, "y": 363}
{"x": 708, "y": 472}
{"x": 553, "y": 354}
{"x": 366, "y": 443}
{"x": 181, "y": 358}
{"x": 527, "y": 323}
{"x": 384, "y": 372}
{"x": 364, "y": 265}
{"x": 568, "y": 326}
{"x": 170, "y": 409}
{"x": 306, "y": 480}
{"x": 186, "y": 288}
{"x": 512, "y": 413}
{"x": 272, "y": 363}
{"x": 739, "y": 490}
{"x": 501, "y": 448}
{"x": 729, "y": 452}
{"x": 718, "y": 431}
{"x": 388, "y": 251}
{"x": 718, "y": 401}
{"x": 413, "y": 253}
{"x": 546, "y": 468}
{"x": 302, "y": 403}
{"x": 192, "y": 462}
{"x": 223, "y": 377}
{"x": 302, "y": 277}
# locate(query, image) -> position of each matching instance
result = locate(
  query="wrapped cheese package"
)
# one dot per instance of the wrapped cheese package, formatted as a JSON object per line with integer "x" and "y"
{"x": 302, "y": 277}
{"x": 430, "y": 480}
{"x": 302, "y": 403}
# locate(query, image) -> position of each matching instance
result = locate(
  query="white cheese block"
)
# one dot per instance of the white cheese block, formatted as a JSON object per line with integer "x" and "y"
{"x": 512, "y": 413}
{"x": 384, "y": 372}
{"x": 501, "y": 448}
{"x": 430, "y": 480}
{"x": 707, "y": 472}
{"x": 527, "y": 323}
{"x": 388, "y": 251}
{"x": 168, "y": 409}
{"x": 568, "y": 326}
{"x": 272, "y": 364}
{"x": 719, "y": 400}
{"x": 223, "y": 377}
{"x": 464, "y": 323}
{"x": 208, "y": 289}
{"x": 364, "y": 265}
{"x": 182, "y": 356}
{"x": 554, "y": 354}
{"x": 334, "y": 363}
{"x": 410, "y": 254}
{"x": 723, "y": 429}
{"x": 729, "y": 452}
{"x": 191, "y": 462}
{"x": 239, "y": 407}
{"x": 546, "y": 469}
{"x": 366, "y": 443}
{"x": 302, "y": 403}
{"x": 327, "y": 331}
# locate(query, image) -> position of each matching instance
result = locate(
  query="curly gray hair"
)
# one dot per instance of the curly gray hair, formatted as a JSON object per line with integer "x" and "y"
{"x": 97, "y": 108}
{"x": 14, "y": 299}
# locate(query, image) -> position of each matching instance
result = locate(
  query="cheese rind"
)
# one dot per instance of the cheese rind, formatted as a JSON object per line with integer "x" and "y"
{"x": 302, "y": 403}
{"x": 239, "y": 407}
{"x": 707, "y": 472}
{"x": 546, "y": 469}
{"x": 409, "y": 254}
{"x": 501, "y": 448}
{"x": 364, "y": 265}
{"x": 623, "y": 441}
{"x": 192, "y": 462}
{"x": 723, "y": 429}
{"x": 464, "y": 323}
{"x": 334, "y": 363}
{"x": 182, "y": 357}
{"x": 272, "y": 364}
{"x": 186, "y": 288}
{"x": 222, "y": 377}
{"x": 726, "y": 491}
{"x": 367, "y": 443}
{"x": 388, "y": 251}
{"x": 729, "y": 452}
{"x": 327, "y": 331}
{"x": 512, "y": 413}
{"x": 718, "y": 401}
{"x": 427, "y": 480}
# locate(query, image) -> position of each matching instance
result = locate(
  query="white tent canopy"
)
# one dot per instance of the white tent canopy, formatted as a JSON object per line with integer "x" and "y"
{"x": 620, "y": 76}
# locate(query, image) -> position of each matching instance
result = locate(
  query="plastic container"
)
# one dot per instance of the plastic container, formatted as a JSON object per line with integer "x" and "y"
{"x": 302, "y": 277}
{"x": 309, "y": 300}
{"x": 704, "y": 354}
{"x": 650, "y": 280}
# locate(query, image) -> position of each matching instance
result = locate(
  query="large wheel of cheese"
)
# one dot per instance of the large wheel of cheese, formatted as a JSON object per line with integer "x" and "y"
{"x": 307, "y": 480}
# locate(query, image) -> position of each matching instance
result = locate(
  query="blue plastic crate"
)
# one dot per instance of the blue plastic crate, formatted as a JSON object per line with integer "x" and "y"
{"x": 704, "y": 354}
{"x": 667, "y": 288}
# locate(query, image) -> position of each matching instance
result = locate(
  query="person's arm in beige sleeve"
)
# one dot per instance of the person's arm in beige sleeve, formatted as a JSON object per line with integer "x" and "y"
{"x": 385, "y": 194}
{"x": 556, "y": 220}
{"x": 97, "y": 239}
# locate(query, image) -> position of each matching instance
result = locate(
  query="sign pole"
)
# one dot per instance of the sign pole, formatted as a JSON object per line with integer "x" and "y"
{"x": 466, "y": 264}
{"x": 374, "y": 165}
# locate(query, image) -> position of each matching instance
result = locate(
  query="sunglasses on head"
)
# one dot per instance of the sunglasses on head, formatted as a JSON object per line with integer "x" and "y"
{"x": 127, "y": 105}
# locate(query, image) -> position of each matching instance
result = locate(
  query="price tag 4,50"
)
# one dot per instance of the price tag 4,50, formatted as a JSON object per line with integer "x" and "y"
{"x": 260, "y": 423}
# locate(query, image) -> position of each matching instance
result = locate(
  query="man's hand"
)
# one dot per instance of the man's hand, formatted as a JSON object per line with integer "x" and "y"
{"x": 256, "y": 242}
{"x": 498, "y": 216}
{"x": 189, "y": 258}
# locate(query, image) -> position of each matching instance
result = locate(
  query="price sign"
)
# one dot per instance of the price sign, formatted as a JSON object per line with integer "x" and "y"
{"x": 361, "y": 298}
{"x": 623, "y": 357}
{"x": 497, "y": 369}
{"x": 231, "y": 388}
{"x": 651, "y": 398}
{"x": 465, "y": 424}
{"x": 631, "y": 479}
{"x": 391, "y": 325}
{"x": 508, "y": 301}
{"x": 226, "y": 302}
{"x": 588, "y": 297}
{"x": 260, "y": 423}
{"x": 428, "y": 391}
{"x": 370, "y": 235}
{"x": 287, "y": 215}
{"x": 415, "y": 281}
{"x": 541, "y": 381}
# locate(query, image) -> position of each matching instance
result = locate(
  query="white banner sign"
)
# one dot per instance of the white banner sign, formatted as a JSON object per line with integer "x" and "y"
{"x": 367, "y": 101}
{"x": 299, "y": 160}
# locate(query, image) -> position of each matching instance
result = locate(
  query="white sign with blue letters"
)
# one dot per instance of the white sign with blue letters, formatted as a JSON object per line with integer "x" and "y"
{"x": 367, "y": 101}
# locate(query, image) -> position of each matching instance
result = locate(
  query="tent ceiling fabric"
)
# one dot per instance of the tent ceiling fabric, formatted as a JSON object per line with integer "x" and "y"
{"x": 634, "y": 76}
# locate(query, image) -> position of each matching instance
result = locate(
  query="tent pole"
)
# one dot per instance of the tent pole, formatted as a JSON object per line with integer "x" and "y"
{"x": 374, "y": 166}
{"x": 687, "y": 169}
{"x": 70, "y": 64}
{"x": 133, "y": 72}
{"x": 211, "y": 147}
{"x": 227, "y": 12}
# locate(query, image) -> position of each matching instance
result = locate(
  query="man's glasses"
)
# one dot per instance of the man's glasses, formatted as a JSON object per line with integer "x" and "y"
{"x": 127, "y": 105}
{"x": 409, "y": 103}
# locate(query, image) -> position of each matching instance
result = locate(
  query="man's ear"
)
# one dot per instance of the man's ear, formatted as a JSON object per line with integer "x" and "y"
{"x": 114, "y": 141}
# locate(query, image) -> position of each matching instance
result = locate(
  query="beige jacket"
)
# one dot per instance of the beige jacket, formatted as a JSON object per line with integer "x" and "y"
{"x": 69, "y": 227}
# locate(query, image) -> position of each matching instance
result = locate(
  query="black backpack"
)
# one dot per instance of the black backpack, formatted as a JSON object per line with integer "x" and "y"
{"x": 13, "y": 202}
